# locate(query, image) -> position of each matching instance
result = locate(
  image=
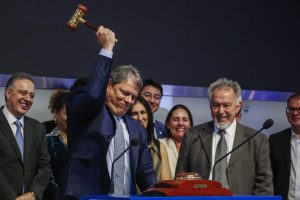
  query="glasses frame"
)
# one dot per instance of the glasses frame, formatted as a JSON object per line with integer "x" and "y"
{"x": 290, "y": 110}
{"x": 148, "y": 95}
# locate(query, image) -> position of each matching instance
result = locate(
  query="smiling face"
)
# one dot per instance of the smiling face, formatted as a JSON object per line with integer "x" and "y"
{"x": 224, "y": 107}
{"x": 139, "y": 112}
{"x": 153, "y": 96}
{"x": 121, "y": 96}
{"x": 178, "y": 124}
{"x": 19, "y": 97}
{"x": 293, "y": 115}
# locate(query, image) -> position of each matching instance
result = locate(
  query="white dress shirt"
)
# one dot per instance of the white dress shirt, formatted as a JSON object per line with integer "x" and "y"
{"x": 294, "y": 187}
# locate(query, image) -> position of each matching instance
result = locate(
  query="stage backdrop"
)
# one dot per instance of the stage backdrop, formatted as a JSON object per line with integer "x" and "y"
{"x": 191, "y": 42}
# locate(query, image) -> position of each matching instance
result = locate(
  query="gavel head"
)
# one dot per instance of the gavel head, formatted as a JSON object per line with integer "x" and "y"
{"x": 77, "y": 17}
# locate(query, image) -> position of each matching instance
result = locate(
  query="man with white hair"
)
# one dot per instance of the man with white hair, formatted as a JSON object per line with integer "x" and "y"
{"x": 247, "y": 170}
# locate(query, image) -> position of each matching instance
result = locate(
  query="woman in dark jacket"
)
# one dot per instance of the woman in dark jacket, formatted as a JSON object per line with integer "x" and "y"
{"x": 57, "y": 140}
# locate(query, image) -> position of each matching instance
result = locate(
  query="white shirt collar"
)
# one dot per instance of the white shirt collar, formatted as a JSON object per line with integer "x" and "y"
{"x": 11, "y": 118}
{"x": 294, "y": 135}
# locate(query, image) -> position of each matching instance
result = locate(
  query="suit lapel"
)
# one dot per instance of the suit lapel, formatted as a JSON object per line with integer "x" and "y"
{"x": 106, "y": 124}
{"x": 6, "y": 131}
{"x": 239, "y": 137}
{"x": 134, "y": 150}
{"x": 59, "y": 147}
{"x": 28, "y": 138}
{"x": 206, "y": 138}
{"x": 286, "y": 144}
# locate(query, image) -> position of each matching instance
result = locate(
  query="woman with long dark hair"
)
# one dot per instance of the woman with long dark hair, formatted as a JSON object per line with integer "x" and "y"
{"x": 141, "y": 112}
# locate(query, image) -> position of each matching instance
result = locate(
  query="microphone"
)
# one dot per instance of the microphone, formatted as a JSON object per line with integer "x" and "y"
{"x": 133, "y": 142}
{"x": 267, "y": 124}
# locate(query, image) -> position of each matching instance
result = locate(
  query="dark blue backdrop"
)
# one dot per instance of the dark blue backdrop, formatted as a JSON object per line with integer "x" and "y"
{"x": 179, "y": 42}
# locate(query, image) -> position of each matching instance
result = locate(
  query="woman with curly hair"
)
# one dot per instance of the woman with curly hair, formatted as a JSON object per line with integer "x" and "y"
{"x": 57, "y": 139}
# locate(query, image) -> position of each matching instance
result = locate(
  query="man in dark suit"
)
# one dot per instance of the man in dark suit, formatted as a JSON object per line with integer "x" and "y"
{"x": 284, "y": 154}
{"x": 24, "y": 158}
{"x": 96, "y": 113}
{"x": 152, "y": 91}
{"x": 246, "y": 171}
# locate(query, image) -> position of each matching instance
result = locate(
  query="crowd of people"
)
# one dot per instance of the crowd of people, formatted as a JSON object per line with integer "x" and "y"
{"x": 105, "y": 140}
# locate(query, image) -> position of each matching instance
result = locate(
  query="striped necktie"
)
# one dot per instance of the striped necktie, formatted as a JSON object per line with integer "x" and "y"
{"x": 119, "y": 167}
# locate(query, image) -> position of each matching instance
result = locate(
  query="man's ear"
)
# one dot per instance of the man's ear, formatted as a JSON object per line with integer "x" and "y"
{"x": 110, "y": 83}
{"x": 7, "y": 94}
{"x": 238, "y": 108}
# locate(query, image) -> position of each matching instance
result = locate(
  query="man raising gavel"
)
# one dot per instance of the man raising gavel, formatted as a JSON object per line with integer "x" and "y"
{"x": 108, "y": 149}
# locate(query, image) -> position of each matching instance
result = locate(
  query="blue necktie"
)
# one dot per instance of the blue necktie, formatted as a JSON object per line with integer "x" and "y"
{"x": 19, "y": 136}
{"x": 119, "y": 167}
{"x": 219, "y": 173}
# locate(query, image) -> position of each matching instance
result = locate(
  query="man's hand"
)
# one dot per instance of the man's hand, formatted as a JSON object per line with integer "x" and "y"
{"x": 26, "y": 196}
{"x": 106, "y": 38}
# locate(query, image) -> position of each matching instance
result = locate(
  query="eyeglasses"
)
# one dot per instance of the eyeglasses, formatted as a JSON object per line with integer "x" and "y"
{"x": 292, "y": 110}
{"x": 148, "y": 95}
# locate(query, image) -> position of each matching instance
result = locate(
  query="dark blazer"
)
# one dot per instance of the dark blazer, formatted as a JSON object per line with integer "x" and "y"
{"x": 280, "y": 155}
{"x": 249, "y": 171}
{"x": 58, "y": 153}
{"x": 91, "y": 127}
{"x": 160, "y": 129}
{"x": 34, "y": 172}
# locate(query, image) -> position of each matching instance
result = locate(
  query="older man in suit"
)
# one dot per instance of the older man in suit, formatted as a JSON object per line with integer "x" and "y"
{"x": 24, "y": 158}
{"x": 247, "y": 170}
{"x": 285, "y": 153}
{"x": 98, "y": 127}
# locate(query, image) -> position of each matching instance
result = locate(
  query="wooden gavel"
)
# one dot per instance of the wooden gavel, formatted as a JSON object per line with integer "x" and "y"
{"x": 78, "y": 18}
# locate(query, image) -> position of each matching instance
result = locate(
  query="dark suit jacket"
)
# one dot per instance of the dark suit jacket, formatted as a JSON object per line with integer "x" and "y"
{"x": 249, "y": 171}
{"x": 34, "y": 172}
{"x": 280, "y": 155}
{"x": 160, "y": 129}
{"x": 91, "y": 127}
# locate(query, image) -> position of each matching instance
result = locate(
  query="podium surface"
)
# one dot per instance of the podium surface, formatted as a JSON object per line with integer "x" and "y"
{"x": 183, "y": 198}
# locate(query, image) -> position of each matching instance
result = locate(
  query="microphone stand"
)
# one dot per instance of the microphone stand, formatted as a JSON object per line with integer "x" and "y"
{"x": 235, "y": 148}
{"x": 133, "y": 142}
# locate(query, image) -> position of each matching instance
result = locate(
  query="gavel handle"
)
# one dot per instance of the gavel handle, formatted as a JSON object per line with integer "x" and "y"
{"x": 90, "y": 26}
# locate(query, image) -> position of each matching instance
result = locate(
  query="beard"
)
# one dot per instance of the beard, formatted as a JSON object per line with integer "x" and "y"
{"x": 222, "y": 126}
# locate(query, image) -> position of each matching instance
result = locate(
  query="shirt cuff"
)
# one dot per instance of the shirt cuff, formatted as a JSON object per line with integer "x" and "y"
{"x": 106, "y": 53}
{"x": 35, "y": 196}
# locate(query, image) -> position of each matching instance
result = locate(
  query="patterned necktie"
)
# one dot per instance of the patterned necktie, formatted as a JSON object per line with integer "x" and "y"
{"x": 19, "y": 136}
{"x": 119, "y": 167}
{"x": 219, "y": 173}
